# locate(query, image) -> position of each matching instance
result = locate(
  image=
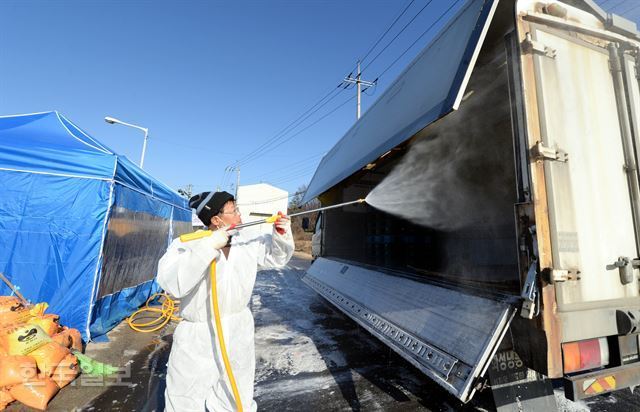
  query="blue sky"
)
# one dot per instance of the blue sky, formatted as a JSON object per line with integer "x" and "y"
{"x": 211, "y": 80}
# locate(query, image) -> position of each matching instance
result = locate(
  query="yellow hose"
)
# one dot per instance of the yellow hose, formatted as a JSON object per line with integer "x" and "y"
{"x": 161, "y": 315}
{"x": 223, "y": 348}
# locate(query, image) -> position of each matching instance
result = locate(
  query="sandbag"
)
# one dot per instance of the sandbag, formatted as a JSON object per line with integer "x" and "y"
{"x": 12, "y": 311}
{"x": 5, "y": 398}
{"x": 23, "y": 339}
{"x": 36, "y": 393}
{"x": 69, "y": 338}
{"x": 38, "y": 309}
{"x": 10, "y": 304}
{"x": 66, "y": 371}
{"x": 16, "y": 369}
{"x": 49, "y": 323}
{"x": 48, "y": 356}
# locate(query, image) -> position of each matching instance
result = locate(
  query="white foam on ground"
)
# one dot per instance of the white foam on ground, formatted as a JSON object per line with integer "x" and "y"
{"x": 565, "y": 405}
{"x": 284, "y": 351}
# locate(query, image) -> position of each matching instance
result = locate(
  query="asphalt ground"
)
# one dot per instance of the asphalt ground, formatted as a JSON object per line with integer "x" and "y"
{"x": 309, "y": 356}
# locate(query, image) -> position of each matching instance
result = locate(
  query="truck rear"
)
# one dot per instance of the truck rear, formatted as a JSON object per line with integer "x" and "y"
{"x": 504, "y": 162}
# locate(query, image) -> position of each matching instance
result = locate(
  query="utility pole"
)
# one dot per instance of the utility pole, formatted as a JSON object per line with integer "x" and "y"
{"x": 237, "y": 170}
{"x": 358, "y": 82}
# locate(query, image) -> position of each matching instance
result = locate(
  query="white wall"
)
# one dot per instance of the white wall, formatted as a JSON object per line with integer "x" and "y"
{"x": 260, "y": 201}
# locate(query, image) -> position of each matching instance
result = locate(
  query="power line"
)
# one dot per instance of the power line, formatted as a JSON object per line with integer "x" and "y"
{"x": 271, "y": 148}
{"x": 419, "y": 37}
{"x": 386, "y": 69}
{"x": 280, "y": 137}
{"x": 275, "y": 199}
{"x": 634, "y": 7}
{"x": 293, "y": 124}
{"x": 292, "y": 177}
{"x": 291, "y": 165}
{"x": 257, "y": 152}
{"x": 398, "y": 34}
{"x": 616, "y": 5}
{"x": 387, "y": 31}
{"x": 298, "y": 169}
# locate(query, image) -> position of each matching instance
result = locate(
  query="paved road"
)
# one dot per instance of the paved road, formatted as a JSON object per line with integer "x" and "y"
{"x": 311, "y": 357}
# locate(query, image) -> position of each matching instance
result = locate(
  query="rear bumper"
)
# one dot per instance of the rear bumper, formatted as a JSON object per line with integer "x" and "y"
{"x": 597, "y": 383}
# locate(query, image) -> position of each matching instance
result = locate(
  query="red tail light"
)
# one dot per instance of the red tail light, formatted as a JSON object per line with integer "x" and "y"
{"x": 585, "y": 354}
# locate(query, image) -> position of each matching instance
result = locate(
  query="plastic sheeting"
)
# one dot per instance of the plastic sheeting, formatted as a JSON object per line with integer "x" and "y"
{"x": 61, "y": 191}
{"x": 138, "y": 232}
{"x": 136, "y": 240}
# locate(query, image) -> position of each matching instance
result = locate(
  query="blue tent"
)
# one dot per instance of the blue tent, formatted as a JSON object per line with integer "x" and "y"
{"x": 81, "y": 227}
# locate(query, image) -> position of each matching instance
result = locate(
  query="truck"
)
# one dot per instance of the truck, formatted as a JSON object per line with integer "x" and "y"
{"x": 518, "y": 127}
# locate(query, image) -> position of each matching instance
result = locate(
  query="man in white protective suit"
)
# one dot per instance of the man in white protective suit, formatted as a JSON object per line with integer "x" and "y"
{"x": 196, "y": 377}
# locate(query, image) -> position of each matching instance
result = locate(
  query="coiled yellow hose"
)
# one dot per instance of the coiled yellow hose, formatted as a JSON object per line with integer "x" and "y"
{"x": 160, "y": 315}
{"x": 223, "y": 348}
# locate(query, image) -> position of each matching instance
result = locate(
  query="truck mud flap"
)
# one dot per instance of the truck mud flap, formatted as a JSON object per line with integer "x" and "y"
{"x": 449, "y": 335}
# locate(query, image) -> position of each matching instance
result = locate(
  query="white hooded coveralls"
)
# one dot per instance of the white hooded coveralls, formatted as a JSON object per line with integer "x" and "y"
{"x": 195, "y": 377}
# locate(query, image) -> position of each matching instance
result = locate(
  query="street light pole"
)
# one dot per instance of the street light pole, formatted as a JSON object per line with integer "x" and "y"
{"x": 112, "y": 120}
{"x": 144, "y": 147}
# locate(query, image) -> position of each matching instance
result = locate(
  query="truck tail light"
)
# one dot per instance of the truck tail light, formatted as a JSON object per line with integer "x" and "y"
{"x": 585, "y": 354}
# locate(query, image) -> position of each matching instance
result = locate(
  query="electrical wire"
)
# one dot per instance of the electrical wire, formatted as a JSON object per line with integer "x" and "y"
{"x": 309, "y": 112}
{"x": 634, "y": 7}
{"x": 419, "y": 37}
{"x": 616, "y": 5}
{"x": 286, "y": 139}
{"x": 386, "y": 31}
{"x": 299, "y": 120}
{"x": 293, "y": 165}
{"x": 293, "y": 176}
{"x": 397, "y": 34}
{"x": 281, "y": 137}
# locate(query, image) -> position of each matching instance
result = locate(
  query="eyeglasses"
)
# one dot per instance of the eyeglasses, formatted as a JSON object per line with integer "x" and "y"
{"x": 235, "y": 211}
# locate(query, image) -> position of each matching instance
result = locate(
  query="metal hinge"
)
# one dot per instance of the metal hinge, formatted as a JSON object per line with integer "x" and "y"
{"x": 530, "y": 293}
{"x": 541, "y": 152}
{"x": 531, "y": 46}
{"x": 626, "y": 267}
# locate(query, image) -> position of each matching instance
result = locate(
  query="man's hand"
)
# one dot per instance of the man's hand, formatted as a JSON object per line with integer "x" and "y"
{"x": 283, "y": 224}
{"x": 219, "y": 238}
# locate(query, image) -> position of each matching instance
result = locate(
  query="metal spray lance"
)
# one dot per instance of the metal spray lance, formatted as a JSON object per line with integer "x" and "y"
{"x": 271, "y": 219}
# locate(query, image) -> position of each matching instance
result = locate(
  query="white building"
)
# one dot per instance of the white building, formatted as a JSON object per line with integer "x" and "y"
{"x": 260, "y": 201}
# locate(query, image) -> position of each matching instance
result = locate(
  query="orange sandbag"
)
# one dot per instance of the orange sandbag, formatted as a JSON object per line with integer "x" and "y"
{"x": 12, "y": 311}
{"x": 36, "y": 393}
{"x": 69, "y": 338}
{"x": 5, "y": 398}
{"x": 10, "y": 304}
{"x": 16, "y": 369}
{"x": 21, "y": 340}
{"x": 66, "y": 371}
{"x": 48, "y": 356}
{"x": 49, "y": 323}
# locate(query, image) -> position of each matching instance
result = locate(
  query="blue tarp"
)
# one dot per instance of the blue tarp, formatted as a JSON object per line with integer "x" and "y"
{"x": 71, "y": 211}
